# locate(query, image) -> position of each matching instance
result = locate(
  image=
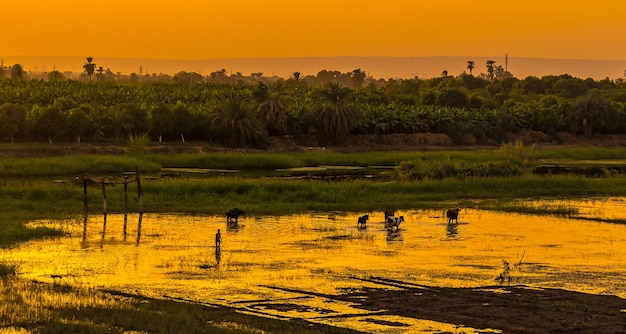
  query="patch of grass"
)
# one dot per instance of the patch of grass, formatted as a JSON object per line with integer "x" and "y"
{"x": 530, "y": 208}
{"x": 8, "y": 270}
{"x": 70, "y": 166}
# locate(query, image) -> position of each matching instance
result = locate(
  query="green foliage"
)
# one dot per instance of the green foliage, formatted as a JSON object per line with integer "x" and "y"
{"x": 467, "y": 108}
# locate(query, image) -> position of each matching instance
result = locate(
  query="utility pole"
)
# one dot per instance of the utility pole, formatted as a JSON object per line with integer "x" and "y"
{"x": 506, "y": 62}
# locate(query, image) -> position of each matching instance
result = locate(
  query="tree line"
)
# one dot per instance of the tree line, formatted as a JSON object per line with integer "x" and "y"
{"x": 244, "y": 111}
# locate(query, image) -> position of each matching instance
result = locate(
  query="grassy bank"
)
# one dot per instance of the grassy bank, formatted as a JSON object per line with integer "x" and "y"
{"x": 69, "y": 165}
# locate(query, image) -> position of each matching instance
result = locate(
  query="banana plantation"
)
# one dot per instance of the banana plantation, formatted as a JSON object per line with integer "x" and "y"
{"x": 245, "y": 113}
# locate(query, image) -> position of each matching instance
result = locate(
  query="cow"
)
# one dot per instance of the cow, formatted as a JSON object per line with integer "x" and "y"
{"x": 453, "y": 215}
{"x": 361, "y": 223}
{"x": 392, "y": 222}
{"x": 232, "y": 215}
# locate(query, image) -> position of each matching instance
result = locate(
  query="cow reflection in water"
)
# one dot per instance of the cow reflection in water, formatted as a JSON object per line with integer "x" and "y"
{"x": 452, "y": 230}
{"x": 393, "y": 236}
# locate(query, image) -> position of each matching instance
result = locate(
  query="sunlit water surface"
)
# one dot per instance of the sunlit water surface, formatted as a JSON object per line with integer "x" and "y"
{"x": 175, "y": 256}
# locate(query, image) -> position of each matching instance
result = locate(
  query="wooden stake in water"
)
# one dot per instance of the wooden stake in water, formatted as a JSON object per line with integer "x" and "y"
{"x": 140, "y": 202}
{"x": 104, "y": 209}
{"x": 85, "y": 208}
{"x": 125, "y": 204}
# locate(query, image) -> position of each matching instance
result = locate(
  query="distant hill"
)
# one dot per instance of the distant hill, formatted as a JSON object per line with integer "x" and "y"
{"x": 378, "y": 67}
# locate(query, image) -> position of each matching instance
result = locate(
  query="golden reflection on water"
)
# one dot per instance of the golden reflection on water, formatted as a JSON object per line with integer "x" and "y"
{"x": 323, "y": 253}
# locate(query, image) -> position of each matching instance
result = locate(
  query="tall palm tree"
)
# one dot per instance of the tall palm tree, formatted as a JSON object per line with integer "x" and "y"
{"x": 470, "y": 66}
{"x": 357, "y": 78}
{"x": 334, "y": 115}
{"x": 273, "y": 104}
{"x": 490, "y": 69}
{"x": 100, "y": 73}
{"x": 297, "y": 77}
{"x": 89, "y": 67}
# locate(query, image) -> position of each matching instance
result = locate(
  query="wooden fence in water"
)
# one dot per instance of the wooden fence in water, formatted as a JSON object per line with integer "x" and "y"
{"x": 88, "y": 180}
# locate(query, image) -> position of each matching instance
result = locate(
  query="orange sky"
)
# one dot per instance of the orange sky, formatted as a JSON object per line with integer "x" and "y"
{"x": 201, "y": 29}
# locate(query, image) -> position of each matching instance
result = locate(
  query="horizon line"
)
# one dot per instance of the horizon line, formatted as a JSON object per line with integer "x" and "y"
{"x": 318, "y": 57}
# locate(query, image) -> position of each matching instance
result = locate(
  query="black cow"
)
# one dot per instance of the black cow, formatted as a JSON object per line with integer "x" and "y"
{"x": 453, "y": 215}
{"x": 232, "y": 215}
{"x": 362, "y": 221}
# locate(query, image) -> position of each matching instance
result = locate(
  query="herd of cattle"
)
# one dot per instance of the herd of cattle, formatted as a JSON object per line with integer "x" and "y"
{"x": 392, "y": 223}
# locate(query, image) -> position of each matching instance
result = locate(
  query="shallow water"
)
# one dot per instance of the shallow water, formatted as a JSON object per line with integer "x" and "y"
{"x": 175, "y": 256}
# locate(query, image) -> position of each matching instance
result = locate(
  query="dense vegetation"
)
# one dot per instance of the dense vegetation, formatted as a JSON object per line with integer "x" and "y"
{"x": 244, "y": 111}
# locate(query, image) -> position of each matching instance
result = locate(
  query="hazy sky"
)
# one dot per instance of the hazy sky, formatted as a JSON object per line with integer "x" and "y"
{"x": 201, "y": 29}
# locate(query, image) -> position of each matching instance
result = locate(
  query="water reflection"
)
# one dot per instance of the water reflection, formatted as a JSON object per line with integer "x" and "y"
{"x": 103, "y": 232}
{"x": 393, "y": 236}
{"x": 139, "y": 222}
{"x": 316, "y": 253}
{"x": 233, "y": 227}
{"x": 452, "y": 230}
{"x": 218, "y": 255}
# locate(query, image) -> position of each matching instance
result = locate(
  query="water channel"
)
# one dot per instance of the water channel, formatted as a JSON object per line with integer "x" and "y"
{"x": 174, "y": 256}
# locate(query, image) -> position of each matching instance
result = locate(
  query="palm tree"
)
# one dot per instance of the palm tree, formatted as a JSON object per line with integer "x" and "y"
{"x": 17, "y": 71}
{"x": 592, "y": 109}
{"x": 89, "y": 67}
{"x": 470, "y": 66}
{"x": 335, "y": 116}
{"x": 490, "y": 69}
{"x": 273, "y": 104}
{"x": 357, "y": 78}
{"x": 100, "y": 73}
{"x": 235, "y": 116}
{"x": 297, "y": 77}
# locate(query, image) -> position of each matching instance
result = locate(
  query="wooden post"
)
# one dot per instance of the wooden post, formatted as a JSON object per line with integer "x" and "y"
{"x": 85, "y": 213}
{"x": 139, "y": 195}
{"x": 140, "y": 203}
{"x": 104, "y": 208}
{"x": 85, "y": 193}
{"x": 125, "y": 204}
